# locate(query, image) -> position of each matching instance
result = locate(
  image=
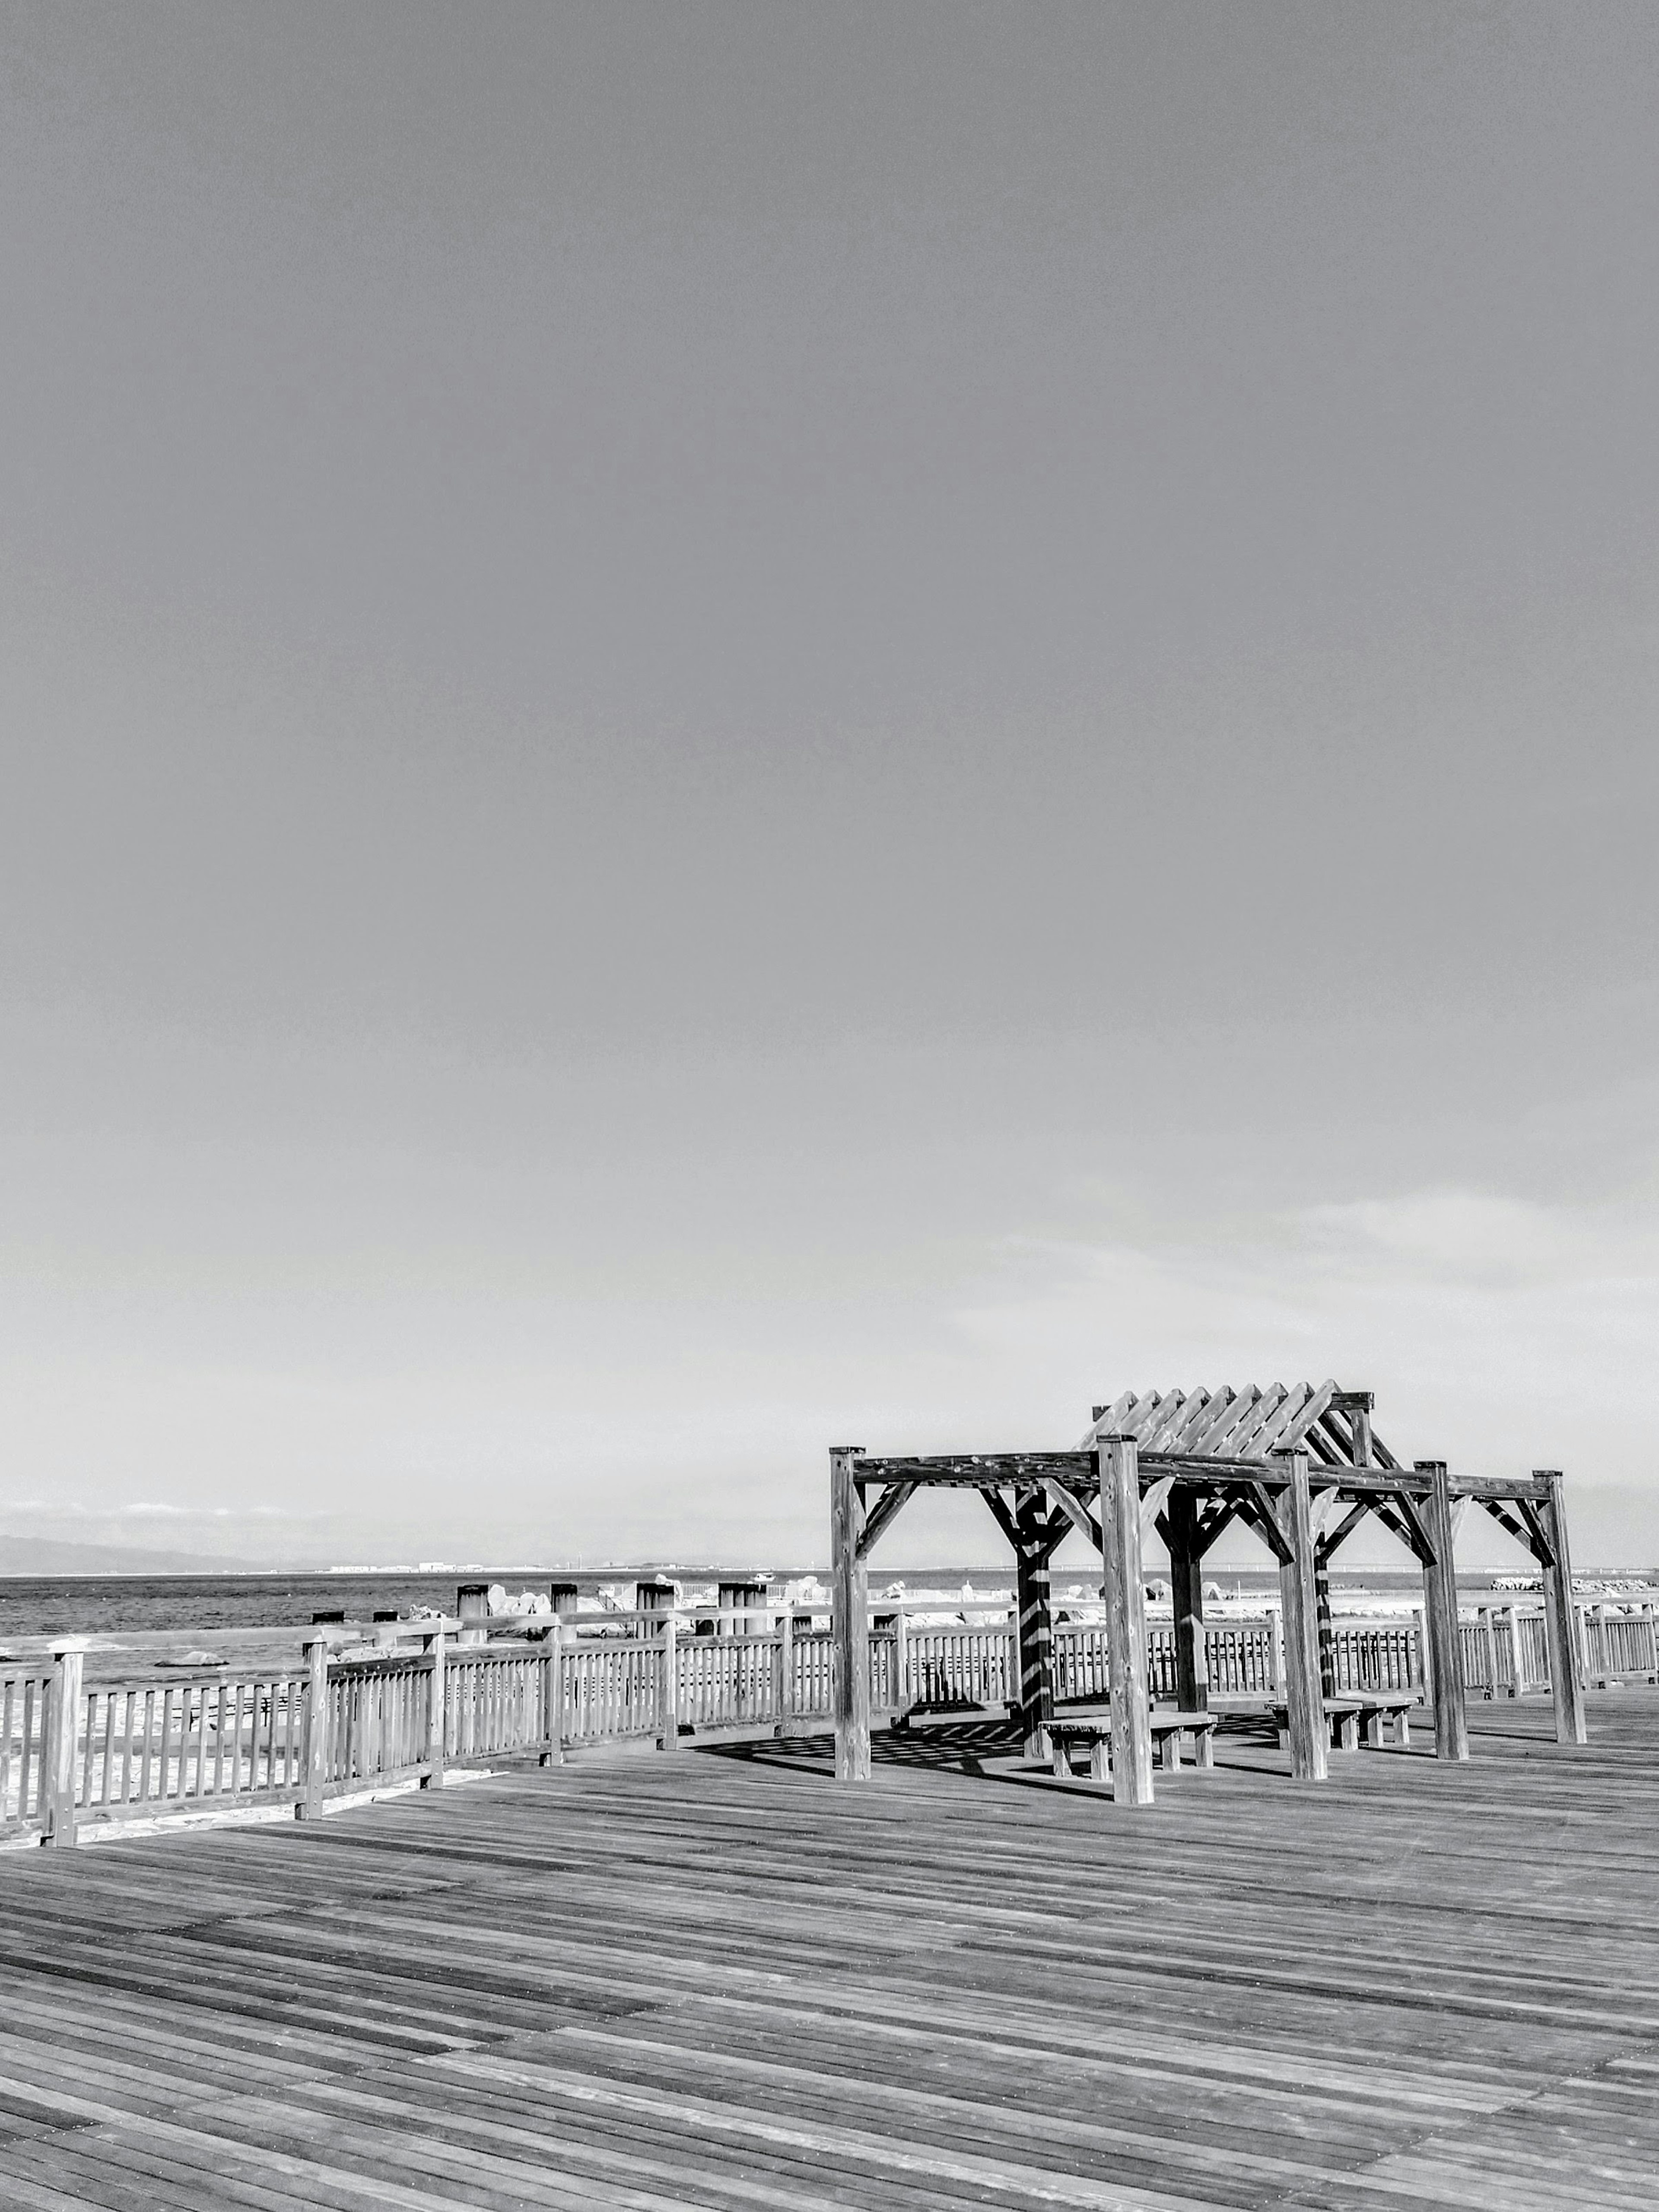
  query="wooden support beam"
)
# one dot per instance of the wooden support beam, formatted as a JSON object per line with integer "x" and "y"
{"x": 1508, "y": 1519}
{"x": 1451, "y": 1731}
{"x": 1125, "y": 1621}
{"x": 1333, "y": 1539}
{"x": 1304, "y": 1703}
{"x": 1034, "y": 1636}
{"x": 1057, "y": 1527}
{"x": 1000, "y": 1512}
{"x": 1538, "y": 1534}
{"x": 1152, "y": 1502}
{"x": 886, "y": 1510}
{"x": 1205, "y": 1471}
{"x": 849, "y": 1619}
{"x": 1566, "y": 1683}
{"x": 1181, "y": 1525}
{"x": 1259, "y": 1506}
{"x": 1415, "y": 1529}
{"x": 1219, "y": 1516}
{"x": 1078, "y": 1514}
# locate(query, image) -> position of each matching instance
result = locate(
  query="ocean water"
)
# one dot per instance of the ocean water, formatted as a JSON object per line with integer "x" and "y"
{"x": 104, "y": 1605}
{"x": 125, "y": 1605}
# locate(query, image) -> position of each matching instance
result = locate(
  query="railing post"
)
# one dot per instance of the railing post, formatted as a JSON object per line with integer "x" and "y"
{"x": 310, "y": 1807}
{"x": 473, "y": 1604}
{"x": 669, "y": 1710}
{"x": 552, "y": 1754}
{"x": 436, "y": 1716}
{"x": 63, "y": 1741}
{"x": 1517, "y": 1663}
{"x": 786, "y": 1667}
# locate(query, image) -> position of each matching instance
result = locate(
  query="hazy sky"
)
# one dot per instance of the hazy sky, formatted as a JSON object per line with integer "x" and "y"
{"x": 729, "y": 727}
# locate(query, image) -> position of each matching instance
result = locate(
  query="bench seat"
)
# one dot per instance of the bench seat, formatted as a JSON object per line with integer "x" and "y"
{"x": 1092, "y": 1732}
{"x": 1370, "y": 1712}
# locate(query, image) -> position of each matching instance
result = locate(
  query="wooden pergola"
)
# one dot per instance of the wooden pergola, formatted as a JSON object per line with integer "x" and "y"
{"x": 1301, "y": 1468}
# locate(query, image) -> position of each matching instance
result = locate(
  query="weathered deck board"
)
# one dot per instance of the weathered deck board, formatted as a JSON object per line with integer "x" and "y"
{"x": 723, "y": 1981}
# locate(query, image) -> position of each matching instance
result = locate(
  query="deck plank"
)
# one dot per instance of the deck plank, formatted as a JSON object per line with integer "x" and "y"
{"x": 723, "y": 1981}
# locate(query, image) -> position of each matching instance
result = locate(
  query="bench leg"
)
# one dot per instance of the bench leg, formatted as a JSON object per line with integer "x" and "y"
{"x": 1062, "y": 1762}
{"x": 1203, "y": 1746}
{"x": 1283, "y": 1738}
{"x": 1347, "y": 1732}
{"x": 1100, "y": 1761}
{"x": 1377, "y": 1732}
{"x": 1402, "y": 1731}
{"x": 1171, "y": 1751}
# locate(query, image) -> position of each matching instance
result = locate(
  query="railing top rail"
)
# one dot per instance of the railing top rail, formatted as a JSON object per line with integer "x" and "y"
{"x": 18, "y": 1650}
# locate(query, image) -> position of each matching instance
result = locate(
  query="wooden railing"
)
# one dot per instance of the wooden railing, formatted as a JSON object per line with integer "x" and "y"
{"x": 143, "y": 1748}
{"x": 363, "y": 1718}
{"x": 25, "y": 1702}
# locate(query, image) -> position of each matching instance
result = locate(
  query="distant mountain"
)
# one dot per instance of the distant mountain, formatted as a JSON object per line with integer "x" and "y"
{"x": 51, "y": 1555}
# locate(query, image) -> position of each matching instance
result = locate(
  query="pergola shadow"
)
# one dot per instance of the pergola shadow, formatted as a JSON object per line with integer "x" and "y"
{"x": 983, "y": 1747}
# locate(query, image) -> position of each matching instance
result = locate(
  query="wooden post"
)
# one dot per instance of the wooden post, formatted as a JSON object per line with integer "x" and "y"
{"x": 1324, "y": 1627}
{"x": 1517, "y": 1665}
{"x": 786, "y": 1667}
{"x": 552, "y": 1751}
{"x": 1357, "y": 1405}
{"x": 473, "y": 1604}
{"x": 669, "y": 1709}
{"x": 849, "y": 1619}
{"x": 1566, "y": 1681}
{"x": 748, "y": 1596}
{"x": 1276, "y": 1623}
{"x": 1304, "y": 1705}
{"x": 310, "y": 1807}
{"x": 1187, "y": 1599}
{"x": 63, "y": 1741}
{"x": 1451, "y": 1729}
{"x": 1488, "y": 1648}
{"x": 566, "y": 1600}
{"x": 437, "y": 1691}
{"x": 1034, "y": 1638}
{"x": 1117, "y": 1460}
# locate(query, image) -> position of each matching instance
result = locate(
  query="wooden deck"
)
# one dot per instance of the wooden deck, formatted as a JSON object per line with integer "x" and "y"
{"x": 721, "y": 1980}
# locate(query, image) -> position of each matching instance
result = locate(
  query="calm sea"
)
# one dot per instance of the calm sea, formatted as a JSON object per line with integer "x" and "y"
{"x": 79, "y": 1605}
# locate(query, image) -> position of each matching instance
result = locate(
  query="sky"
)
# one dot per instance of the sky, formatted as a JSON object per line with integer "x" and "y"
{"x": 734, "y": 727}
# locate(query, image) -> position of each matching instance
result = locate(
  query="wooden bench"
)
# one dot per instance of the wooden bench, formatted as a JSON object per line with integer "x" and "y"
{"x": 1093, "y": 1733}
{"x": 1371, "y": 1711}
